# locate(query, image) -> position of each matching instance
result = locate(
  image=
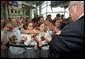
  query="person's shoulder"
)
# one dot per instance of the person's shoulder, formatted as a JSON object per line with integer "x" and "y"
{"x": 74, "y": 28}
{"x": 76, "y": 24}
{"x": 82, "y": 17}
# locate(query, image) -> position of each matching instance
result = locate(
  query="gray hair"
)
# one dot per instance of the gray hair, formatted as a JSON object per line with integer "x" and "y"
{"x": 72, "y": 3}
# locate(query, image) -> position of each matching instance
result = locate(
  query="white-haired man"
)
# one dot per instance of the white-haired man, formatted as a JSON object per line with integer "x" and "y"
{"x": 70, "y": 43}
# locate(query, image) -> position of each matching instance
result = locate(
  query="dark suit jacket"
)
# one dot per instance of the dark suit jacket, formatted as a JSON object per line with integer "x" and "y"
{"x": 70, "y": 44}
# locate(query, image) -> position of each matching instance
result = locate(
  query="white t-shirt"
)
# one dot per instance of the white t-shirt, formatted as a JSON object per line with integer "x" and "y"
{"x": 17, "y": 33}
{"x": 47, "y": 34}
{"x": 29, "y": 40}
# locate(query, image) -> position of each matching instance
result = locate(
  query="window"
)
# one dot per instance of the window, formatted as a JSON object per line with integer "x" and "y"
{"x": 44, "y": 5}
{"x": 49, "y": 9}
{"x": 48, "y": 2}
{"x": 15, "y": 11}
{"x": 38, "y": 10}
{"x": 67, "y": 13}
{"x": 56, "y": 9}
{"x": 11, "y": 10}
{"x": 44, "y": 15}
{"x": 53, "y": 15}
{"x": 18, "y": 11}
{"x": 43, "y": 10}
{"x": 46, "y": 9}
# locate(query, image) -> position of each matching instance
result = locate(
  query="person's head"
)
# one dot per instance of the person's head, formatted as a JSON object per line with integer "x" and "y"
{"x": 35, "y": 15}
{"x": 58, "y": 16}
{"x": 8, "y": 26}
{"x": 30, "y": 26}
{"x": 14, "y": 22}
{"x": 62, "y": 16}
{"x": 58, "y": 23}
{"x": 48, "y": 17}
{"x": 55, "y": 29}
{"x": 76, "y": 8}
{"x": 41, "y": 19}
{"x": 22, "y": 18}
{"x": 47, "y": 22}
{"x": 25, "y": 25}
{"x": 42, "y": 27}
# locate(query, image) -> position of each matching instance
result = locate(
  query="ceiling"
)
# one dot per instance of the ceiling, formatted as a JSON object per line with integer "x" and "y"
{"x": 34, "y": 2}
{"x": 59, "y": 3}
{"x": 53, "y": 3}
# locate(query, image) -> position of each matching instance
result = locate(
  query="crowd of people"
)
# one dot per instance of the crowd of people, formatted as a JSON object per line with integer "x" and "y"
{"x": 46, "y": 38}
{"x": 37, "y": 32}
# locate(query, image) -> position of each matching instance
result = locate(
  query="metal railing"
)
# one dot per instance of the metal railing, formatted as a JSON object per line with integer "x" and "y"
{"x": 29, "y": 52}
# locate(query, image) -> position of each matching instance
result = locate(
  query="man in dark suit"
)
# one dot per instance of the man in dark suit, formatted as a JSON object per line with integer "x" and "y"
{"x": 70, "y": 43}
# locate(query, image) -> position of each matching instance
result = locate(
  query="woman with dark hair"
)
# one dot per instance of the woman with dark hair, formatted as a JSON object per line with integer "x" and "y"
{"x": 42, "y": 39}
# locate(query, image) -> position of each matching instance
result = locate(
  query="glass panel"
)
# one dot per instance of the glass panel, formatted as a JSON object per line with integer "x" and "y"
{"x": 44, "y": 2}
{"x": 18, "y": 11}
{"x": 48, "y": 2}
{"x": 38, "y": 10}
{"x": 57, "y": 9}
{"x": 49, "y": 9}
{"x": 66, "y": 13}
{"x": 43, "y": 5}
{"x": 44, "y": 15}
{"x": 53, "y": 15}
{"x": 43, "y": 10}
{"x": 11, "y": 10}
{"x": 15, "y": 11}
